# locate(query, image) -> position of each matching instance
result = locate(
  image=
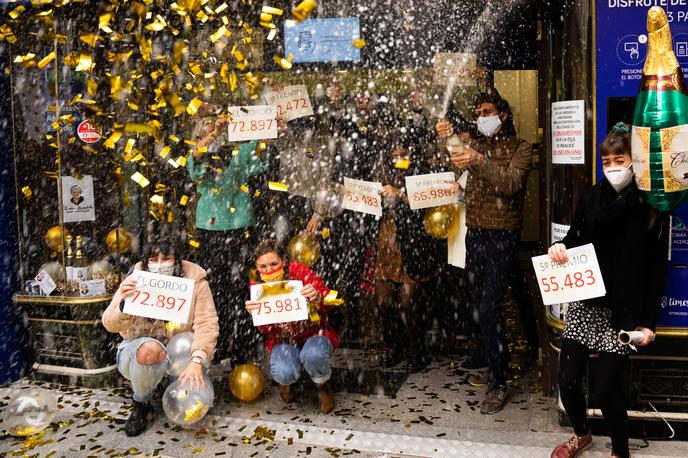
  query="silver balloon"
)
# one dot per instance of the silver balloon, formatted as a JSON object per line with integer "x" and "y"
{"x": 29, "y": 412}
{"x": 185, "y": 406}
{"x": 328, "y": 203}
{"x": 179, "y": 352}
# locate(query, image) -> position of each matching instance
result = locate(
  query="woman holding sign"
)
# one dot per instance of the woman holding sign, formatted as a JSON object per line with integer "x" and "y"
{"x": 142, "y": 356}
{"x": 308, "y": 343}
{"x": 630, "y": 240}
{"x": 223, "y": 214}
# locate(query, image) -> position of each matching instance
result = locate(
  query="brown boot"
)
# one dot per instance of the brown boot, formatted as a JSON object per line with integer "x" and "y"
{"x": 325, "y": 397}
{"x": 286, "y": 393}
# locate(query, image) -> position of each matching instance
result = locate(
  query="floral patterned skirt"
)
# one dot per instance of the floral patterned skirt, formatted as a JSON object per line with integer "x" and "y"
{"x": 592, "y": 326}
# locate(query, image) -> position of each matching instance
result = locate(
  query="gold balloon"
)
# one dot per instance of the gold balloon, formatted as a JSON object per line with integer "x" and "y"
{"x": 246, "y": 382}
{"x": 53, "y": 238}
{"x": 126, "y": 241}
{"x": 441, "y": 222}
{"x": 304, "y": 249}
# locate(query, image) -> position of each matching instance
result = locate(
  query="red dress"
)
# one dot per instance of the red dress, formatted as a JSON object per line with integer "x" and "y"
{"x": 300, "y": 331}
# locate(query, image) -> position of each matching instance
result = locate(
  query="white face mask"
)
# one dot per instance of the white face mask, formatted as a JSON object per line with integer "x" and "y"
{"x": 619, "y": 177}
{"x": 489, "y": 125}
{"x": 162, "y": 269}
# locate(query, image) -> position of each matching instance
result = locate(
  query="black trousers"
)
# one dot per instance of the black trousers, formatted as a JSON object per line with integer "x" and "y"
{"x": 226, "y": 256}
{"x": 608, "y": 378}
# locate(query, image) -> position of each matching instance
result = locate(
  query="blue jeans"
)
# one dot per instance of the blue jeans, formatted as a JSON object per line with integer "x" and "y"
{"x": 144, "y": 378}
{"x": 489, "y": 257}
{"x": 286, "y": 360}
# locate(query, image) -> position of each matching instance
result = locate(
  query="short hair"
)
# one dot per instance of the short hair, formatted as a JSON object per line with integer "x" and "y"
{"x": 75, "y": 187}
{"x": 617, "y": 142}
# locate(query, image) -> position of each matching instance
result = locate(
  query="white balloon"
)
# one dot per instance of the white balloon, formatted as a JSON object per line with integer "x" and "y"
{"x": 328, "y": 203}
{"x": 185, "y": 406}
{"x": 29, "y": 412}
{"x": 179, "y": 352}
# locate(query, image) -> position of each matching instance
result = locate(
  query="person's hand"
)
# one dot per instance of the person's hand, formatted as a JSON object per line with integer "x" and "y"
{"x": 192, "y": 375}
{"x": 391, "y": 191}
{"x": 468, "y": 157}
{"x": 251, "y": 306}
{"x": 455, "y": 186}
{"x": 558, "y": 253}
{"x": 310, "y": 293}
{"x": 313, "y": 224}
{"x": 281, "y": 124}
{"x": 648, "y": 336}
{"x": 220, "y": 125}
{"x": 128, "y": 287}
{"x": 444, "y": 128}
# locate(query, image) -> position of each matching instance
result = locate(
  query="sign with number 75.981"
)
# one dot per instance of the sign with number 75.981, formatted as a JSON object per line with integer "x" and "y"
{"x": 278, "y": 302}
{"x": 161, "y": 297}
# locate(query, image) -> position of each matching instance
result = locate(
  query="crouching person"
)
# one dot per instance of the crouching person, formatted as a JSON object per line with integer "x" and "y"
{"x": 142, "y": 356}
{"x": 308, "y": 343}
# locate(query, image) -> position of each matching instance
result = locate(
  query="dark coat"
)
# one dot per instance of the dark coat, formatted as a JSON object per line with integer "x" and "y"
{"x": 631, "y": 241}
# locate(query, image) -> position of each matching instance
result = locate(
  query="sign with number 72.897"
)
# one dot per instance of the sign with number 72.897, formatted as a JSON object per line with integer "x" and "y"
{"x": 161, "y": 297}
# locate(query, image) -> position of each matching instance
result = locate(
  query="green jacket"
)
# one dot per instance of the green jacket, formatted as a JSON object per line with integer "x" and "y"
{"x": 221, "y": 191}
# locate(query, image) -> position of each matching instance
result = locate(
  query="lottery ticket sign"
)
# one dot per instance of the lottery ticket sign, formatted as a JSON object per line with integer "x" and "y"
{"x": 278, "y": 302}
{"x": 161, "y": 297}
{"x": 577, "y": 279}
{"x": 252, "y": 123}
{"x": 431, "y": 190}
{"x": 362, "y": 196}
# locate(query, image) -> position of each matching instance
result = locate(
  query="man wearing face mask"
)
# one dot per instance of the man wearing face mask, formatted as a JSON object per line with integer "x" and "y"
{"x": 498, "y": 165}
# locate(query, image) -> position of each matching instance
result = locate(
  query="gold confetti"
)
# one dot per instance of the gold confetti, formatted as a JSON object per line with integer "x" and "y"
{"x": 332, "y": 300}
{"x": 194, "y": 243}
{"x": 303, "y": 10}
{"x": 104, "y": 22}
{"x": 271, "y": 10}
{"x": 272, "y": 34}
{"x": 46, "y": 60}
{"x": 173, "y": 138}
{"x": 157, "y": 199}
{"x": 26, "y": 190}
{"x": 359, "y": 43}
{"x": 140, "y": 179}
{"x": 244, "y": 188}
{"x": 285, "y": 63}
{"x": 276, "y": 186}
{"x": 325, "y": 233}
{"x": 128, "y": 148}
{"x": 114, "y": 138}
{"x": 218, "y": 34}
{"x": 172, "y": 326}
{"x": 221, "y": 8}
{"x": 14, "y": 14}
{"x": 183, "y": 201}
{"x": 193, "y": 106}
{"x": 165, "y": 151}
{"x": 85, "y": 63}
{"x": 181, "y": 160}
{"x": 89, "y": 38}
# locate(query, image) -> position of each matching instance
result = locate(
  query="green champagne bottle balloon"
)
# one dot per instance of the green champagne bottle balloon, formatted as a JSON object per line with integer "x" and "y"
{"x": 660, "y": 123}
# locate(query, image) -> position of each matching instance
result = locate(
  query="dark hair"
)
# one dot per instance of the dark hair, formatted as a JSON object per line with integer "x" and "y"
{"x": 270, "y": 246}
{"x": 161, "y": 240}
{"x": 618, "y": 141}
{"x": 492, "y": 96}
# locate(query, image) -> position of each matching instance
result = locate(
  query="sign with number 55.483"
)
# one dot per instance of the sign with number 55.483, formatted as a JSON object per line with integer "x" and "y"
{"x": 278, "y": 302}
{"x": 161, "y": 297}
{"x": 577, "y": 279}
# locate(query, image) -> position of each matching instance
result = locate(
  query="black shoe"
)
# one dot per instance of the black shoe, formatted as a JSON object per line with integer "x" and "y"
{"x": 138, "y": 419}
{"x": 474, "y": 362}
{"x": 417, "y": 363}
{"x": 494, "y": 400}
{"x": 390, "y": 358}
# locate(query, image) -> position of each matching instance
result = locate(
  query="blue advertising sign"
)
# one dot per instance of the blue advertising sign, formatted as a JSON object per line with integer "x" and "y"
{"x": 621, "y": 48}
{"x": 323, "y": 40}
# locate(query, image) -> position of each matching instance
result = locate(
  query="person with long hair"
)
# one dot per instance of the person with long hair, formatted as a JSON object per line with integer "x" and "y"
{"x": 142, "y": 356}
{"x": 306, "y": 344}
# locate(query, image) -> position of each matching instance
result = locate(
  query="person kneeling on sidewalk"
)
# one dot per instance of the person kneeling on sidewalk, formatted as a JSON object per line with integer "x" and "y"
{"x": 142, "y": 356}
{"x": 308, "y": 343}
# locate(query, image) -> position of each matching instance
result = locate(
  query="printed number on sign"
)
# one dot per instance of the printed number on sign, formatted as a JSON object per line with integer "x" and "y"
{"x": 252, "y": 126}
{"x": 575, "y": 280}
{"x": 291, "y": 105}
{"x": 279, "y": 306}
{"x": 432, "y": 194}
{"x": 368, "y": 200}
{"x": 162, "y": 301}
